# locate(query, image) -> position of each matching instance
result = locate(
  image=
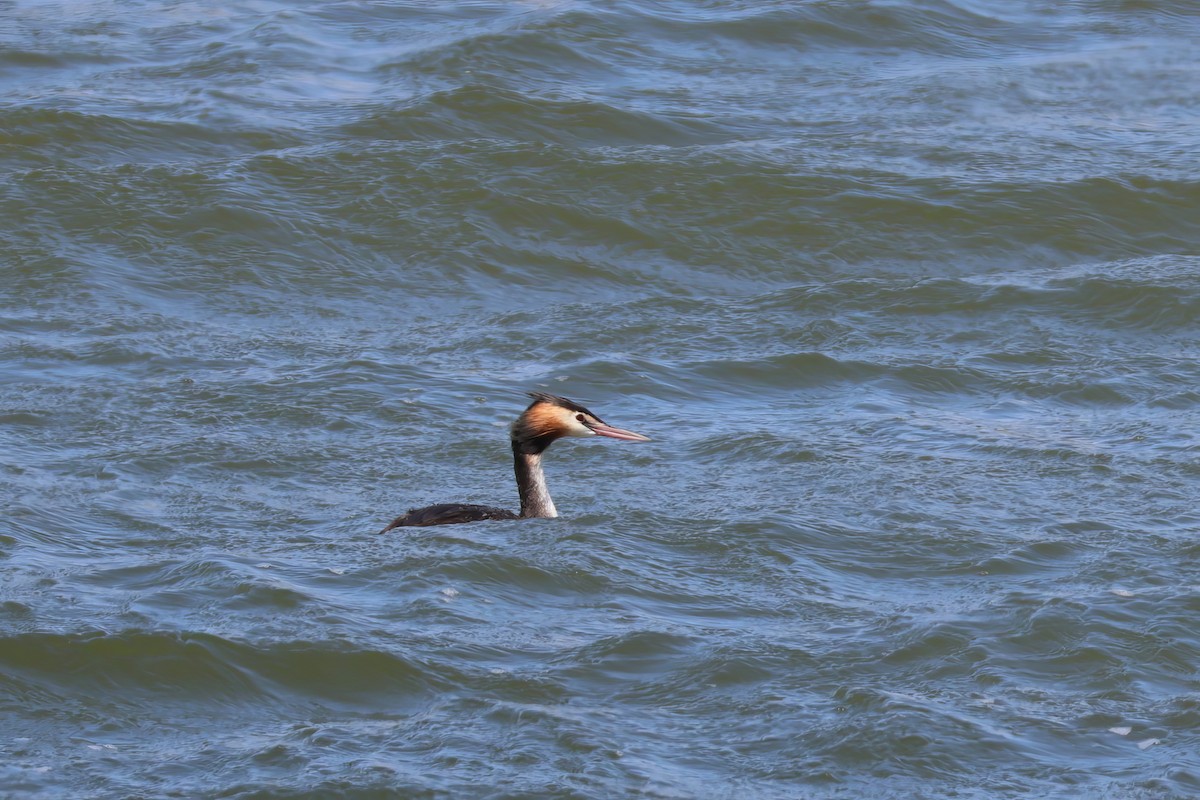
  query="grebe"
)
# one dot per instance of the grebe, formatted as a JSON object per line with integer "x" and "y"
{"x": 547, "y": 419}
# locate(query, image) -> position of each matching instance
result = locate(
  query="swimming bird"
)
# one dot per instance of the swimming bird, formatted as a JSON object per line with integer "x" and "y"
{"x": 547, "y": 419}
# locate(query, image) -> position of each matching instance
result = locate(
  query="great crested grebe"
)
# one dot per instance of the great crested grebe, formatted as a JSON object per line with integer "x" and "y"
{"x": 547, "y": 419}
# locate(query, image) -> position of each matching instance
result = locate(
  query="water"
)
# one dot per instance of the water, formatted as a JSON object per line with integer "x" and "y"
{"x": 906, "y": 293}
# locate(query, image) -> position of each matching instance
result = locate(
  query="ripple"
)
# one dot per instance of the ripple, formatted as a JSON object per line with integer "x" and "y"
{"x": 903, "y": 293}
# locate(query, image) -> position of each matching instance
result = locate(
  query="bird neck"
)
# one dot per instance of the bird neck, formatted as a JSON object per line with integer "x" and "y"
{"x": 531, "y": 484}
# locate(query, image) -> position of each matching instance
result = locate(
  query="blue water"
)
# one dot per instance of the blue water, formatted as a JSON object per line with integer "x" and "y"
{"x": 906, "y": 294}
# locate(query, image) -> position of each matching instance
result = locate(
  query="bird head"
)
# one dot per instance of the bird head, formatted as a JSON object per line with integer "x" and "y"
{"x": 550, "y": 417}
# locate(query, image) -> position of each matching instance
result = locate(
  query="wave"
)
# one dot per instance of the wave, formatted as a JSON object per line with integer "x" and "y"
{"x": 488, "y": 112}
{"x": 1159, "y": 294}
{"x": 190, "y": 667}
{"x": 50, "y": 138}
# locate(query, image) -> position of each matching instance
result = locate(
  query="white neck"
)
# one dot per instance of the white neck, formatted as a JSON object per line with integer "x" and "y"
{"x": 531, "y": 484}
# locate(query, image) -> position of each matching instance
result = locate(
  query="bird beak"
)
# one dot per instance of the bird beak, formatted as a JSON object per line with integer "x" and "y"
{"x": 600, "y": 429}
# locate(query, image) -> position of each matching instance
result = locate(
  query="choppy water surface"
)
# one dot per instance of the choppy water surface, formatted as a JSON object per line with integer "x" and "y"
{"x": 907, "y": 294}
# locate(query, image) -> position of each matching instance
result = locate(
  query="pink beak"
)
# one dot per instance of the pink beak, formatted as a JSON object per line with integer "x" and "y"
{"x": 600, "y": 429}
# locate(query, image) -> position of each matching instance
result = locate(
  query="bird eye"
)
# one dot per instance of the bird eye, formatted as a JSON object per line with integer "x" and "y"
{"x": 579, "y": 417}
